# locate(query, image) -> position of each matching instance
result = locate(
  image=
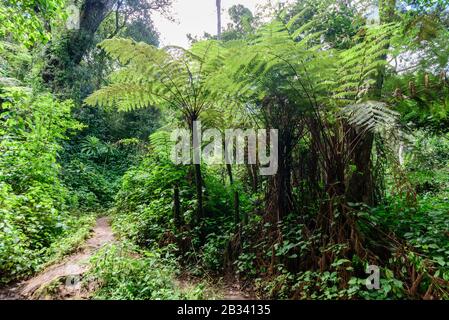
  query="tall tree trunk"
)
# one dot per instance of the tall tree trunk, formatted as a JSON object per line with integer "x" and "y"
{"x": 218, "y": 4}
{"x": 252, "y": 174}
{"x": 199, "y": 192}
{"x": 361, "y": 184}
{"x": 236, "y": 195}
{"x": 282, "y": 115}
{"x": 176, "y": 206}
{"x": 236, "y": 208}
{"x": 197, "y": 166}
{"x": 75, "y": 44}
{"x": 279, "y": 193}
{"x": 93, "y": 12}
{"x": 256, "y": 178}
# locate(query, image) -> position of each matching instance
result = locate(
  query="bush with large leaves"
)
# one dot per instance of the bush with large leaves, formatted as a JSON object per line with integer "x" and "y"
{"x": 32, "y": 197}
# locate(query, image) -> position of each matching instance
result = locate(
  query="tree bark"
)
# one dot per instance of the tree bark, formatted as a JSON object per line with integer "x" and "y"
{"x": 279, "y": 192}
{"x": 76, "y": 42}
{"x": 197, "y": 166}
{"x": 93, "y": 12}
{"x": 361, "y": 184}
{"x": 236, "y": 208}
{"x": 236, "y": 195}
{"x": 218, "y": 4}
{"x": 176, "y": 207}
{"x": 284, "y": 116}
{"x": 199, "y": 192}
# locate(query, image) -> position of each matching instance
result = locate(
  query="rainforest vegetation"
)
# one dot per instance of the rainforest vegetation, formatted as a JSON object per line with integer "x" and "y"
{"x": 359, "y": 94}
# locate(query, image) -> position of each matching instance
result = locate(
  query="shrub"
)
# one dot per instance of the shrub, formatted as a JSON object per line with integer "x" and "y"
{"x": 33, "y": 201}
{"x": 124, "y": 272}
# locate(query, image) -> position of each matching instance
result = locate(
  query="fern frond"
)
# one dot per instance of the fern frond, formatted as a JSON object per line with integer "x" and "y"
{"x": 125, "y": 96}
{"x": 371, "y": 116}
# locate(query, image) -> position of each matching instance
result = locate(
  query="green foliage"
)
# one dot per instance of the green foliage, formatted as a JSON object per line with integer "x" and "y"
{"x": 124, "y": 272}
{"x": 15, "y": 63}
{"x": 243, "y": 24}
{"x": 172, "y": 77}
{"x": 312, "y": 285}
{"x": 93, "y": 147}
{"x": 212, "y": 251}
{"x": 425, "y": 227}
{"x": 33, "y": 199}
{"x": 144, "y": 200}
{"x": 421, "y": 99}
{"x": 32, "y": 129}
{"x": 77, "y": 228}
{"x": 430, "y": 156}
{"x": 426, "y": 4}
{"x": 144, "y": 212}
{"x": 425, "y": 232}
{"x": 371, "y": 116}
{"x": 90, "y": 187}
{"x": 317, "y": 71}
{"x": 286, "y": 61}
{"x": 34, "y": 234}
{"x": 359, "y": 65}
{"x": 25, "y": 21}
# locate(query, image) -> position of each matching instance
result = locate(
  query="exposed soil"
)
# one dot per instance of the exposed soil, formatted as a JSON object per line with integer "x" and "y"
{"x": 235, "y": 293}
{"x": 227, "y": 288}
{"x": 62, "y": 279}
{"x": 233, "y": 290}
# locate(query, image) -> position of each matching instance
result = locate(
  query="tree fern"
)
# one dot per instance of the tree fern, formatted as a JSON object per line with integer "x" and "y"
{"x": 169, "y": 77}
{"x": 161, "y": 144}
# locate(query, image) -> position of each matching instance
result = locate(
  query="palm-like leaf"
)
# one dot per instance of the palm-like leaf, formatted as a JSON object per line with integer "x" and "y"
{"x": 371, "y": 116}
{"x": 169, "y": 77}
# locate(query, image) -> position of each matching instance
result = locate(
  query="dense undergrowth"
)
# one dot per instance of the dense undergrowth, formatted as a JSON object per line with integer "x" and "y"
{"x": 126, "y": 272}
{"x": 416, "y": 233}
{"x": 34, "y": 200}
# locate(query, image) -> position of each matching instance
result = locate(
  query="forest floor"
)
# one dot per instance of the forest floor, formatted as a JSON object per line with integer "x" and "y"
{"x": 228, "y": 288}
{"x": 62, "y": 280}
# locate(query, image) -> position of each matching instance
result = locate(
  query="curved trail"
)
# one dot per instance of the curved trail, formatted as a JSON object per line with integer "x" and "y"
{"x": 70, "y": 268}
{"x": 55, "y": 282}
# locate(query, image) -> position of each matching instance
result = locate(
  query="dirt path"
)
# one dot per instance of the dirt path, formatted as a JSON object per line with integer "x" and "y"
{"x": 62, "y": 279}
{"x": 224, "y": 289}
{"x": 232, "y": 290}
